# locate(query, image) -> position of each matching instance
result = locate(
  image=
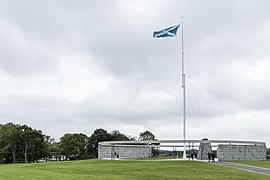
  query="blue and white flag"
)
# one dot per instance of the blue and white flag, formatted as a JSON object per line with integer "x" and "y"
{"x": 169, "y": 32}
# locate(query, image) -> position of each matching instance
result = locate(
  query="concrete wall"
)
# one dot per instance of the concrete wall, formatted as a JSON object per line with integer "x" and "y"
{"x": 124, "y": 151}
{"x": 241, "y": 152}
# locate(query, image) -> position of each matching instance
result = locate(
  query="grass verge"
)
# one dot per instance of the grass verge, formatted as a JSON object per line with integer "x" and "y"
{"x": 124, "y": 169}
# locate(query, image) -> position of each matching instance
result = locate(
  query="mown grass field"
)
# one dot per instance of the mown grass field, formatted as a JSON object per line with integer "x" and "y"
{"x": 124, "y": 169}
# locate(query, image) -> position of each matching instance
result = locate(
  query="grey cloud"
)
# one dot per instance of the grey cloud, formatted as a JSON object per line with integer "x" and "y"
{"x": 222, "y": 39}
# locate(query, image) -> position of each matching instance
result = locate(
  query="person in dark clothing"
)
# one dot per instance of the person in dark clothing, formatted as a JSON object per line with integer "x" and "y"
{"x": 209, "y": 157}
{"x": 213, "y": 157}
{"x": 192, "y": 155}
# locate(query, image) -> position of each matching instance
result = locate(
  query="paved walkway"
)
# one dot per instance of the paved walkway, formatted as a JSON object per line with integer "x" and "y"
{"x": 246, "y": 167}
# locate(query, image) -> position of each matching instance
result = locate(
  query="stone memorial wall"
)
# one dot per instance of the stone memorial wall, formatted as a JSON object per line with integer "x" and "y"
{"x": 204, "y": 149}
{"x": 241, "y": 152}
{"x": 124, "y": 152}
{"x": 227, "y": 149}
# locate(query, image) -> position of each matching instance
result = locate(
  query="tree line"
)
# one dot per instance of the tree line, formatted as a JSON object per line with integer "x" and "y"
{"x": 21, "y": 143}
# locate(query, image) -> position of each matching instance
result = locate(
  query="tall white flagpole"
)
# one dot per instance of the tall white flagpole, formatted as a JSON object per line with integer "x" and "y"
{"x": 184, "y": 92}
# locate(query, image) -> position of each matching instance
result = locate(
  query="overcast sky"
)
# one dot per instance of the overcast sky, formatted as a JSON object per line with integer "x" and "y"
{"x": 74, "y": 66}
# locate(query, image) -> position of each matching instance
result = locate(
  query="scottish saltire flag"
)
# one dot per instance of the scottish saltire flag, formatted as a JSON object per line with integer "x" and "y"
{"x": 169, "y": 32}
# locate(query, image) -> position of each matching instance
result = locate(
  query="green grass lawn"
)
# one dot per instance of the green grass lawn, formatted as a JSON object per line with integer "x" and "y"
{"x": 124, "y": 169}
{"x": 264, "y": 164}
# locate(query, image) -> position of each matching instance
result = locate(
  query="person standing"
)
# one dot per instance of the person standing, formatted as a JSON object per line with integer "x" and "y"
{"x": 213, "y": 157}
{"x": 209, "y": 156}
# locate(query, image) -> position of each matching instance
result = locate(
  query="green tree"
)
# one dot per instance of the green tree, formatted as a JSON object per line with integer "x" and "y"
{"x": 148, "y": 136}
{"x": 38, "y": 146}
{"x": 9, "y": 141}
{"x": 99, "y": 135}
{"x": 56, "y": 151}
{"x": 32, "y": 143}
{"x": 82, "y": 141}
{"x": 118, "y": 136}
{"x": 21, "y": 143}
{"x": 48, "y": 148}
{"x": 74, "y": 146}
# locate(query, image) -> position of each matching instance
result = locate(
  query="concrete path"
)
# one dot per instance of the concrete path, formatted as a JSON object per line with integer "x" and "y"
{"x": 246, "y": 167}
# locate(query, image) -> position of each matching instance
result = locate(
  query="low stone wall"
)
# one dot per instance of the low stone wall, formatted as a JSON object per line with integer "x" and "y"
{"x": 124, "y": 152}
{"x": 241, "y": 152}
